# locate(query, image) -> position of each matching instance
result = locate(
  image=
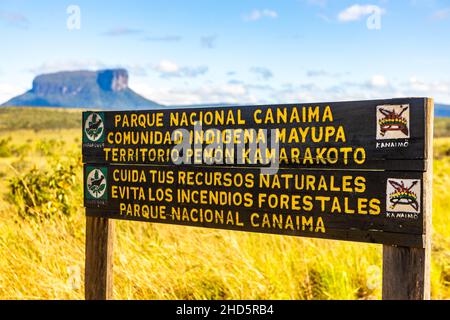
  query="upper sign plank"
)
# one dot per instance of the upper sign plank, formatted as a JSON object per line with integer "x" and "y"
{"x": 377, "y": 134}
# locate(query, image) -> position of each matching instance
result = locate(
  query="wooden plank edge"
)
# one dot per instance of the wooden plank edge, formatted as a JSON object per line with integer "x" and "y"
{"x": 376, "y": 237}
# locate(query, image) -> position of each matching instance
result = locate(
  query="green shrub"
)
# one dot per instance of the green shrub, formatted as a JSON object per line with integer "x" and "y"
{"x": 44, "y": 193}
{"x": 49, "y": 147}
{"x": 5, "y": 147}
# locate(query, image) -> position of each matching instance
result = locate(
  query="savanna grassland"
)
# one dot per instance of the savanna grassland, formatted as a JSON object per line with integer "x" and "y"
{"x": 42, "y": 233}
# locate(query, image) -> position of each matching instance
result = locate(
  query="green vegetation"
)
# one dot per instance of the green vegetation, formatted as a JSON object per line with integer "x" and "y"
{"x": 43, "y": 228}
{"x": 47, "y": 193}
{"x": 441, "y": 127}
{"x": 38, "y": 118}
{"x": 5, "y": 147}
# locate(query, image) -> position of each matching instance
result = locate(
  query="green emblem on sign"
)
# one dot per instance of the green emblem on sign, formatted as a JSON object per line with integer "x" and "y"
{"x": 93, "y": 127}
{"x": 96, "y": 183}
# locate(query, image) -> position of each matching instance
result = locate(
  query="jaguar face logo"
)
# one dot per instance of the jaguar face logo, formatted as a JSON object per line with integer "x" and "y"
{"x": 393, "y": 122}
{"x": 94, "y": 127}
{"x": 403, "y": 195}
{"x": 96, "y": 183}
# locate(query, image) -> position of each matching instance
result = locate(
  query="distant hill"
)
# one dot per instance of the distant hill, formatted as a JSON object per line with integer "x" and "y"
{"x": 104, "y": 89}
{"x": 441, "y": 110}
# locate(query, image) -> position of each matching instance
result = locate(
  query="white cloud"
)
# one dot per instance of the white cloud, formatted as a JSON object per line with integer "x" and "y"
{"x": 240, "y": 93}
{"x": 378, "y": 81}
{"x": 357, "y": 12}
{"x": 166, "y": 66}
{"x": 170, "y": 69}
{"x": 8, "y": 91}
{"x": 435, "y": 87}
{"x": 324, "y": 17}
{"x": 441, "y": 14}
{"x": 417, "y": 85}
{"x": 322, "y": 73}
{"x": 14, "y": 19}
{"x": 68, "y": 65}
{"x": 263, "y": 73}
{"x": 208, "y": 93}
{"x": 137, "y": 69}
{"x": 208, "y": 42}
{"x": 259, "y": 14}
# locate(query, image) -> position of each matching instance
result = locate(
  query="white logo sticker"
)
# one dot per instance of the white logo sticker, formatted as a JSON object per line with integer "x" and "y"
{"x": 393, "y": 122}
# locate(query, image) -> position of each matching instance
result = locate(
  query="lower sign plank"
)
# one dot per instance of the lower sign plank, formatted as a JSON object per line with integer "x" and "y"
{"x": 368, "y": 206}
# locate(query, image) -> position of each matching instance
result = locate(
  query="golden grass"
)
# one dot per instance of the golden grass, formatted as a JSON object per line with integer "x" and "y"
{"x": 45, "y": 260}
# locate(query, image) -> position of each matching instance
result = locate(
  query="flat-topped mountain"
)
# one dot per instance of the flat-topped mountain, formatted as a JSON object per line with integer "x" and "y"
{"x": 104, "y": 89}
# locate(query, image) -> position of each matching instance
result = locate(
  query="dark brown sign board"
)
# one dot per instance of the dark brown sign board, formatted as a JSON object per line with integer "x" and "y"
{"x": 368, "y": 206}
{"x": 357, "y": 171}
{"x": 378, "y": 134}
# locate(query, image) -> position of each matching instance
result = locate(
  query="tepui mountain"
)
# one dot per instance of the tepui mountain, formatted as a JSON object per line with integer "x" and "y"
{"x": 103, "y": 89}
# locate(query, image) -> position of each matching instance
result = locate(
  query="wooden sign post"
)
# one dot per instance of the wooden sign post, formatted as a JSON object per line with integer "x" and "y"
{"x": 99, "y": 258}
{"x": 355, "y": 171}
{"x": 406, "y": 271}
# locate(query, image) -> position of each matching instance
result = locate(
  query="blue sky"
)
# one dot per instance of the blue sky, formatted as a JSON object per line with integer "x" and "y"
{"x": 205, "y": 51}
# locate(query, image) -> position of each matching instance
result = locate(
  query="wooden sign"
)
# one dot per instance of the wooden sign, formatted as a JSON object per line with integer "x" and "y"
{"x": 357, "y": 171}
{"x": 380, "y": 134}
{"x": 378, "y": 207}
